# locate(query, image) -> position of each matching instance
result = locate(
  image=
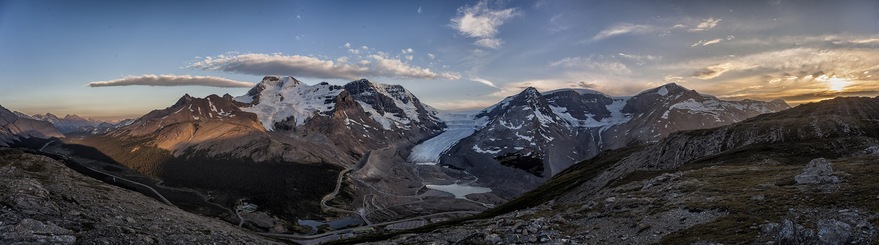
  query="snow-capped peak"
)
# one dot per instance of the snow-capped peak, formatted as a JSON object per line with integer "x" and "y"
{"x": 666, "y": 89}
{"x": 278, "y": 99}
{"x": 389, "y": 104}
{"x": 288, "y": 100}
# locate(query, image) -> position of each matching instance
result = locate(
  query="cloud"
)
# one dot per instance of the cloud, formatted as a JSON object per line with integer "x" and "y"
{"x": 297, "y": 65}
{"x": 798, "y": 75}
{"x": 797, "y": 61}
{"x": 431, "y": 56}
{"x": 640, "y": 59}
{"x": 865, "y": 41}
{"x": 396, "y": 68}
{"x": 555, "y": 25}
{"x": 490, "y": 43}
{"x": 706, "y": 24}
{"x": 377, "y": 65}
{"x": 407, "y": 51}
{"x": 620, "y": 29}
{"x": 483, "y": 81}
{"x": 172, "y": 80}
{"x": 347, "y": 45}
{"x": 674, "y": 79}
{"x": 712, "y": 71}
{"x": 419, "y": 10}
{"x": 482, "y": 22}
{"x": 707, "y": 42}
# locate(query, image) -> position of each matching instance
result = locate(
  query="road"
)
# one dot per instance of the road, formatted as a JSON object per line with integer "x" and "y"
{"x": 335, "y": 235}
{"x": 115, "y": 178}
{"x": 328, "y": 197}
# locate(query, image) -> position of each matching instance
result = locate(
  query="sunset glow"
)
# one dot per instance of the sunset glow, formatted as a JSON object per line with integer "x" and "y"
{"x": 459, "y": 55}
{"x": 838, "y": 84}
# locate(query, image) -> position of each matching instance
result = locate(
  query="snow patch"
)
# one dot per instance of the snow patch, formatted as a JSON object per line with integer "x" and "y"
{"x": 662, "y": 91}
{"x": 480, "y": 150}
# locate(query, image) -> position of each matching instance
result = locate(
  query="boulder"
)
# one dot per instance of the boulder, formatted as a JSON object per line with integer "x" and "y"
{"x": 818, "y": 171}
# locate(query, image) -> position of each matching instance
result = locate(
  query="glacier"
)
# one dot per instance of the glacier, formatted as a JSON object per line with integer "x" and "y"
{"x": 458, "y": 126}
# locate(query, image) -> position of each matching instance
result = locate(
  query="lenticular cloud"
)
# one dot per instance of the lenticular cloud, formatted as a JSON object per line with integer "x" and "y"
{"x": 172, "y": 80}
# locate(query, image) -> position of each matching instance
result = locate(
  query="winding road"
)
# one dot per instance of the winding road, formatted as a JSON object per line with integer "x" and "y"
{"x": 328, "y": 197}
{"x": 115, "y": 178}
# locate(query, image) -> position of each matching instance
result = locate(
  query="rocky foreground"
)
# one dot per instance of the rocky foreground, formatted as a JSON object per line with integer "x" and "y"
{"x": 42, "y": 201}
{"x": 759, "y": 202}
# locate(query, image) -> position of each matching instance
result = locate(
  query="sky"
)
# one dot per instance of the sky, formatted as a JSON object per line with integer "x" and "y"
{"x": 111, "y": 60}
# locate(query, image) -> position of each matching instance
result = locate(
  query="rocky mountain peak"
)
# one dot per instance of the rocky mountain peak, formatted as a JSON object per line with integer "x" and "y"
{"x": 781, "y": 102}
{"x": 530, "y": 92}
{"x": 360, "y": 86}
{"x": 75, "y": 117}
{"x": 183, "y": 100}
{"x": 47, "y": 116}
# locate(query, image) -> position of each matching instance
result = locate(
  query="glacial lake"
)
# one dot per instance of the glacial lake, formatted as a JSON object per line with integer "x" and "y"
{"x": 460, "y": 191}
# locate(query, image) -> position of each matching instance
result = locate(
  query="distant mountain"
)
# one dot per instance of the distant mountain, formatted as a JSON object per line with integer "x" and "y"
{"x": 529, "y": 137}
{"x": 69, "y": 123}
{"x": 74, "y": 124}
{"x": 14, "y": 128}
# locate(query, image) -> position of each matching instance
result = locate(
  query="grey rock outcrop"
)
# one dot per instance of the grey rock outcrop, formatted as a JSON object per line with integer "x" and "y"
{"x": 819, "y": 171}
{"x": 834, "y": 232}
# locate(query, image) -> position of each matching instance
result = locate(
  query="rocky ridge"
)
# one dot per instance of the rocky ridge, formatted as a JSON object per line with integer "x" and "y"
{"x": 43, "y": 201}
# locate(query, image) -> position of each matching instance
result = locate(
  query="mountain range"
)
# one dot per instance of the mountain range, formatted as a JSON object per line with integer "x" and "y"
{"x": 14, "y": 128}
{"x": 388, "y": 155}
{"x": 74, "y": 124}
{"x": 530, "y": 137}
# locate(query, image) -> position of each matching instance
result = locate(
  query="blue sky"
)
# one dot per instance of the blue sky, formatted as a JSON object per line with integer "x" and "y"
{"x": 451, "y": 54}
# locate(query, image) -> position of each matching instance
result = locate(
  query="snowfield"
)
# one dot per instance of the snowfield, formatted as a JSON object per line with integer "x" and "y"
{"x": 289, "y": 97}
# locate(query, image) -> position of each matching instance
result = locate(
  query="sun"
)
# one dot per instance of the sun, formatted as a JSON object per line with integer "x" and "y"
{"x": 838, "y": 84}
